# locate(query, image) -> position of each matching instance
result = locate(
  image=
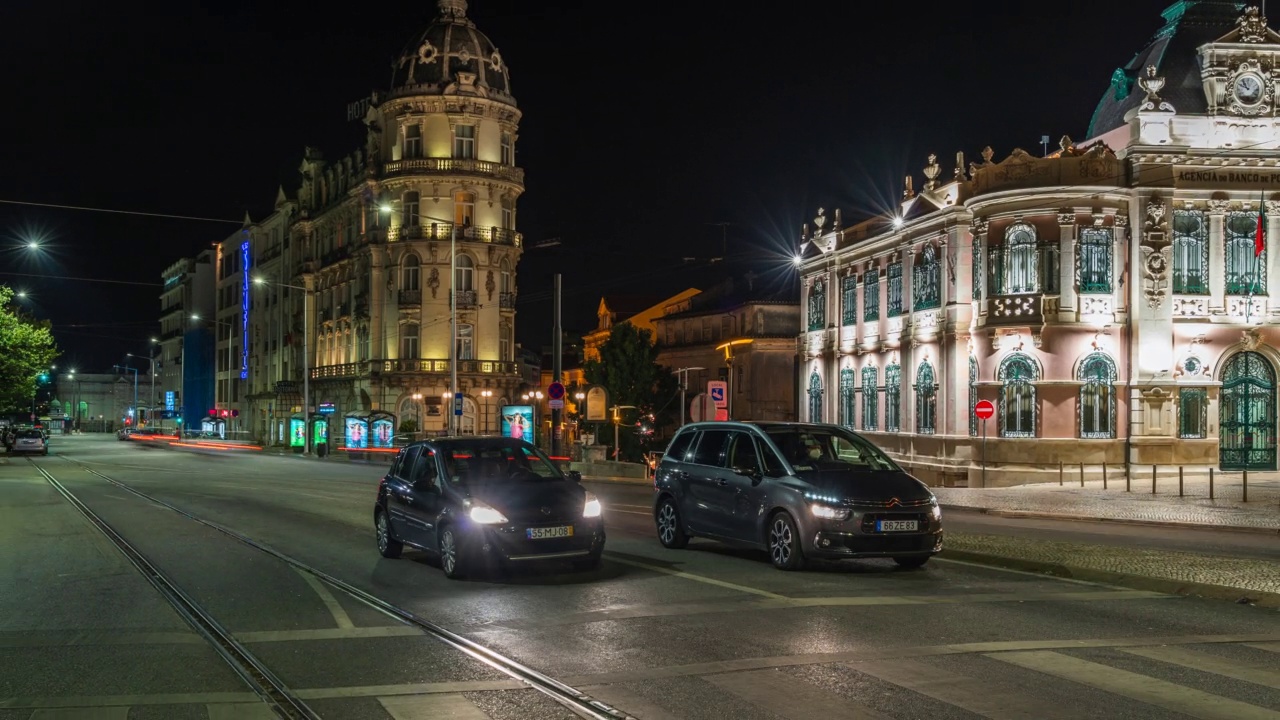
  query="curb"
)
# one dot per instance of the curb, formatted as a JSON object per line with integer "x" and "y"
{"x": 1035, "y": 514}
{"x": 619, "y": 481}
{"x": 1129, "y": 580}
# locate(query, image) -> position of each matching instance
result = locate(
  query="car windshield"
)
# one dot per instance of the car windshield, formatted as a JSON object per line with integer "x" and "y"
{"x": 497, "y": 462}
{"x": 811, "y": 449}
{"x": 30, "y": 434}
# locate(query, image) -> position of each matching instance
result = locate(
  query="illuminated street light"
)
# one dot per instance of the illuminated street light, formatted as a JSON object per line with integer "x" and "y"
{"x": 33, "y": 245}
{"x": 897, "y": 223}
{"x": 797, "y": 260}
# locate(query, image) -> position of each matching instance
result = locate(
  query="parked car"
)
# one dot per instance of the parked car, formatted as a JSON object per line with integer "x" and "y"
{"x": 796, "y": 490}
{"x": 483, "y": 502}
{"x": 30, "y": 441}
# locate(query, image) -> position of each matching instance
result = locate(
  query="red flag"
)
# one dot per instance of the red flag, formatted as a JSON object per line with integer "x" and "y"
{"x": 1260, "y": 238}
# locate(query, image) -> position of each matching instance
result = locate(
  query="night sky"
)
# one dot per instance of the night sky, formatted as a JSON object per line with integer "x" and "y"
{"x": 644, "y": 124}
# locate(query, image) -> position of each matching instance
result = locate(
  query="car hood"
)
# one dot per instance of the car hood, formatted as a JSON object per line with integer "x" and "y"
{"x": 524, "y": 502}
{"x": 878, "y": 485}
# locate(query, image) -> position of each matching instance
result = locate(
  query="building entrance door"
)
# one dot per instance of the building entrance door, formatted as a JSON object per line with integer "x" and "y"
{"x": 1247, "y": 414}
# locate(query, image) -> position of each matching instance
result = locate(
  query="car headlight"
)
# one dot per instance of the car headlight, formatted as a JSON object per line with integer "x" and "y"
{"x": 592, "y": 507}
{"x": 935, "y": 508}
{"x": 487, "y": 515}
{"x": 827, "y": 512}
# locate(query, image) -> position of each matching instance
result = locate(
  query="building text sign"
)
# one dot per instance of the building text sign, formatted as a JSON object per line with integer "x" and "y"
{"x": 1225, "y": 177}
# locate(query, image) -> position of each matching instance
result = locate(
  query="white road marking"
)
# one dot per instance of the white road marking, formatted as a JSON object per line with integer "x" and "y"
{"x": 335, "y": 608}
{"x": 452, "y": 706}
{"x": 622, "y": 698}
{"x": 107, "y": 713}
{"x": 695, "y": 578}
{"x": 791, "y": 697}
{"x": 1153, "y": 691}
{"x": 1256, "y": 673}
{"x": 968, "y": 693}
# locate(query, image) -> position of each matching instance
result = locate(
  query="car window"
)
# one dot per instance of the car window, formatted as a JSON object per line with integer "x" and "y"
{"x": 741, "y": 453}
{"x": 31, "y": 434}
{"x": 709, "y": 446}
{"x": 489, "y": 462}
{"x": 395, "y": 464}
{"x": 823, "y": 448}
{"x": 424, "y": 469}
{"x": 773, "y": 466}
{"x": 406, "y": 461}
{"x": 679, "y": 447}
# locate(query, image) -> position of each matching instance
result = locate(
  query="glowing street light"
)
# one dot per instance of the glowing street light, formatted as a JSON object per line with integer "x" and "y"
{"x": 897, "y": 223}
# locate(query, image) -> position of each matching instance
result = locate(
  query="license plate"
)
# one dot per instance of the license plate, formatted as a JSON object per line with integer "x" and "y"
{"x": 544, "y": 533}
{"x": 897, "y": 525}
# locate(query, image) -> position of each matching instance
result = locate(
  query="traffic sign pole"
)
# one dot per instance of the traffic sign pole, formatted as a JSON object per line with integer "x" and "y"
{"x": 984, "y": 410}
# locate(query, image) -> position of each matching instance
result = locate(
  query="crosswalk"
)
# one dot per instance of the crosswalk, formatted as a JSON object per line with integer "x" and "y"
{"x": 1211, "y": 681}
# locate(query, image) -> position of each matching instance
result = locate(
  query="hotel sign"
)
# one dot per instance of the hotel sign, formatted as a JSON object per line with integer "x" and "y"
{"x": 1226, "y": 177}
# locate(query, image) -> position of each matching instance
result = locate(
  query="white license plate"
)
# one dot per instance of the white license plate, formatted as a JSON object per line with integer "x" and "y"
{"x": 544, "y": 533}
{"x": 897, "y": 525}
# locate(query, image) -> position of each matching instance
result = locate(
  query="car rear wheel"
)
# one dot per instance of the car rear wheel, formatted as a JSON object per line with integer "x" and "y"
{"x": 387, "y": 543}
{"x": 913, "y": 561}
{"x": 784, "y": 543}
{"x": 451, "y": 553}
{"x": 670, "y": 527}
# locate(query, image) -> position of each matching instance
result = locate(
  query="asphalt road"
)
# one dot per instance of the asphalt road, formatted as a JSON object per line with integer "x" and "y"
{"x": 706, "y": 632}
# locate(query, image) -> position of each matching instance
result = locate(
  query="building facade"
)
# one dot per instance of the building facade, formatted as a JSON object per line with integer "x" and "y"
{"x": 639, "y": 311}
{"x": 1112, "y": 300}
{"x": 95, "y": 402}
{"x": 187, "y": 291}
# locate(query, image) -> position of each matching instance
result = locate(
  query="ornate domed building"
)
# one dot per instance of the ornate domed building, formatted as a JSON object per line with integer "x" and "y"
{"x": 389, "y": 241}
{"x": 1113, "y": 300}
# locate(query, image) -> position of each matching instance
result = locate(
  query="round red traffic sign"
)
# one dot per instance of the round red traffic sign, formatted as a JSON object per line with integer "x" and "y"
{"x": 555, "y": 391}
{"x": 984, "y": 409}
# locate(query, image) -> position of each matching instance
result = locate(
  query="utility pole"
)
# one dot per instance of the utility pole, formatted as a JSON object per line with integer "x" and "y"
{"x": 454, "y": 395}
{"x": 683, "y": 375}
{"x": 557, "y": 351}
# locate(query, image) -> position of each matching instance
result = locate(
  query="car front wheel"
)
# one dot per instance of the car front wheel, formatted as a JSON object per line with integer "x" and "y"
{"x": 670, "y": 528}
{"x": 451, "y": 553}
{"x": 784, "y": 543}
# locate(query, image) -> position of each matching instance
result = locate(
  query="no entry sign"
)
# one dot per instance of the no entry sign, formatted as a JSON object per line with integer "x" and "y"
{"x": 984, "y": 410}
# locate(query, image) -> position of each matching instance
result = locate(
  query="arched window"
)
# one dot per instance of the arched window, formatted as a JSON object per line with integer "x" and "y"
{"x": 815, "y": 398}
{"x": 409, "y": 273}
{"x": 818, "y": 305}
{"x": 409, "y": 341}
{"x": 926, "y": 281}
{"x": 892, "y": 398}
{"x": 466, "y": 342}
{"x": 1019, "y": 270}
{"x": 847, "y": 392}
{"x": 1017, "y": 396}
{"x": 1097, "y": 397}
{"x": 409, "y": 216}
{"x": 1190, "y": 252}
{"x": 1245, "y": 273}
{"x": 973, "y": 395}
{"x": 464, "y": 273}
{"x": 870, "y": 398}
{"x": 894, "y": 298}
{"x": 926, "y": 399}
{"x": 1093, "y": 260}
{"x": 849, "y": 300}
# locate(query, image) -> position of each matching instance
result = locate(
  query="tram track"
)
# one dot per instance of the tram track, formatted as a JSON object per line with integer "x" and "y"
{"x": 575, "y": 700}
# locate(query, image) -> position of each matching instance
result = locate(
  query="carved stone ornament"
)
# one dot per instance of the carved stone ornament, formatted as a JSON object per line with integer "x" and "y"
{"x": 1152, "y": 84}
{"x": 1251, "y": 338}
{"x": 987, "y": 154}
{"x": 837, "y": 223}
{"x": 931, "y": 172}
{"x": 908, "y": 190}
{"x": 1252, "y": 25}
{"x": 1251, "y": 79}
{"x": 1273, "y": 207}
{"x": 1121, "y": 220}
{"x": 1066, "y": 216}
{"x": 433, "y": 282}
{"x": 1156, "y": 212}
{"x": 489, "y": 284}
{"x": 949, "y": 251}
{"x": 959, "y": 171}
{"x": 1218, "y": 206}
{"x": 821, "y": 220}
{"x": 980, "y": 226}
{"x": 1157, "y": 254}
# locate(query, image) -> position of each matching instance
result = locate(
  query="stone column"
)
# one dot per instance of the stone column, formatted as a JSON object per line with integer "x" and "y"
{"x": 1217, "y": 257}
{"x": 377, "y": 297}
{"x": 1119, "y": 244}
{"x": 981, "y": 272}
{"x": 906, "y": 399}
{"x": 1067, "y": 298}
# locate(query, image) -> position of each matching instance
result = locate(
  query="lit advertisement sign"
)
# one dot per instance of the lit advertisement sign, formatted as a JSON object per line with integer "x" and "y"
{"x": 517, "y": 422}
{"x": 319, "y": 432}
{"x": 383, "y": 429}
{"x": 244, "y": 309}
{"x": 297, "y": 433}
{"x": 170, "y": 400}
{"x": 357, "y": 433}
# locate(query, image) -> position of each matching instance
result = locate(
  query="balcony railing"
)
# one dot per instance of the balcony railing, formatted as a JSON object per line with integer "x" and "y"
{"x": 441, "y": 367}
{"x": 1015, "y": 309}
{"x": 442, "y": 231}
{"x": 507, "y": 300}
{"x": 410, "y": 297}
{"x": 461, "y": 166}
{"x": 466, "y": 298}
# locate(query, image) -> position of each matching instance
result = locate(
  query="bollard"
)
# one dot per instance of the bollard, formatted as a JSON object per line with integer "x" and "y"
{"x": 1081, "y": 474}
{"x": 1104, "y": 475}
{"x": 1128, "y": 477}
{"x": 1210, "y": 483}
{"x": 1060, "y": 473}
{"x": 1179, "y": 481}
{"x": 1153, "y": 479}
{"x": 1244, "y": 487}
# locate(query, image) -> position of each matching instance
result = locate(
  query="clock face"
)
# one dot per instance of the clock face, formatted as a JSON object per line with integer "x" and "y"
{"x": 1248, "y": 89}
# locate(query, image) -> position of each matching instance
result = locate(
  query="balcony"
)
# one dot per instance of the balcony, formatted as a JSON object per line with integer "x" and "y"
{"x": 440, "y": 367}
{"x": 454, "y": 166}
{"x": 469, "y": 233}
{"x": 410, "y": 297}
{"x": 507, "y": 300}
{"x": 466, "y": 298}
{"x": 1015, "y": 309}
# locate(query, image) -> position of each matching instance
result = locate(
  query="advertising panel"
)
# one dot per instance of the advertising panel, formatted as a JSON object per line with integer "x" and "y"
{"x": 319, "y": 432}
{"x": 357, "y": 433}
{"x": 297, "y": 433}
{"x": 383, "y": 429}
{"x": 517, "y": 422}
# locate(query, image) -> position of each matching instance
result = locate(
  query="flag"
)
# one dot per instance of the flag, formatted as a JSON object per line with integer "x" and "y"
{"x": 1260, "y": 237}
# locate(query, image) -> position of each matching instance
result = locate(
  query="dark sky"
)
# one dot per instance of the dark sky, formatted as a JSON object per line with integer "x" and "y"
{"x": 643, "y": 123}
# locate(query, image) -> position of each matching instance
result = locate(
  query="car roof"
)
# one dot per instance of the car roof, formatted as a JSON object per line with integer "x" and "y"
{"x": 765, "y": 425}
{"x": 470, "y": 440}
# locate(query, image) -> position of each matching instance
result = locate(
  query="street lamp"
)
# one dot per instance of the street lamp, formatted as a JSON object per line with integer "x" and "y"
{"x": 683, "y": 374}
{"x": 151, "y": 402}
{"x": 230, "y": 341}
{"x": 306, "y": 356}
{"x": 417, "y": 408}
{"x": 484, "y": 408}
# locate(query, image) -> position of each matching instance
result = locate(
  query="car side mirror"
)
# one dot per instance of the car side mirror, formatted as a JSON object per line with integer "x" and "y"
{"x": 749, "y": 472}
{"x": 573, "y": 475}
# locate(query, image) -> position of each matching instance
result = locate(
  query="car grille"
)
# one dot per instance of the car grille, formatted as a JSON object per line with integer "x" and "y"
{"x": 887, "y": 543}
{"x": 890, "y": 503}
{"x": 869, "y": 521}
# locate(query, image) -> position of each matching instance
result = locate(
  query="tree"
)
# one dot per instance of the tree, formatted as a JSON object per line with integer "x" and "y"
{"x": 629, "y": 370}
{"x": 26, "y": 349}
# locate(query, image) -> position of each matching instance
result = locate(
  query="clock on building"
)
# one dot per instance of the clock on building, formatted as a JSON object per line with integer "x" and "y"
{"x": 1248, "y": 89}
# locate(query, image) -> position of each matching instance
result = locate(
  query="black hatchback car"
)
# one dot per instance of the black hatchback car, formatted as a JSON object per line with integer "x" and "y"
{"x": 474, "y": 502}
{"x": 796, "y": 490}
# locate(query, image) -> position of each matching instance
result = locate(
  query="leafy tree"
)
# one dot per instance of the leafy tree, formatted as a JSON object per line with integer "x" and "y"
{"x": 26, "y": 349}
{"x": 629, "y": 370}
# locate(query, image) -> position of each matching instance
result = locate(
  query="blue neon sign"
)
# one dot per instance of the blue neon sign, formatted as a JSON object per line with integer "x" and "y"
{"x": 244, "y": 309}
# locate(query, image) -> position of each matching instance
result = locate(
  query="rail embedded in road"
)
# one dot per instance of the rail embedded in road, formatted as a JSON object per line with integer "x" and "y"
{"x": 573, "y": 699}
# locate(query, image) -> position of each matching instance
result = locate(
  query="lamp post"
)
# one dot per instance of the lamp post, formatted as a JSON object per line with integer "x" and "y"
{"x": 230, "y": 341}
{"x": 683, "y": 375}
{"x": 417, "y": 408}
{"x": 578, "y": 399}
{"x": 484, "y": 409}
{"x": 152, "y": 400}
{"x": 306, "y": 358}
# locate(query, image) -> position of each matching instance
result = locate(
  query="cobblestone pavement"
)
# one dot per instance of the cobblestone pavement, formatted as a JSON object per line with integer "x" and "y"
{"x": 1184, "y": 567}
{"x": 1138, "y": 505}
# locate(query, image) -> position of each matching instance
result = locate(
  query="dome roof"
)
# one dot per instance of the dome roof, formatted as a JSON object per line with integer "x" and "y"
{"x": 1188, "y": 25}
{"x": 451, "y": 51}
